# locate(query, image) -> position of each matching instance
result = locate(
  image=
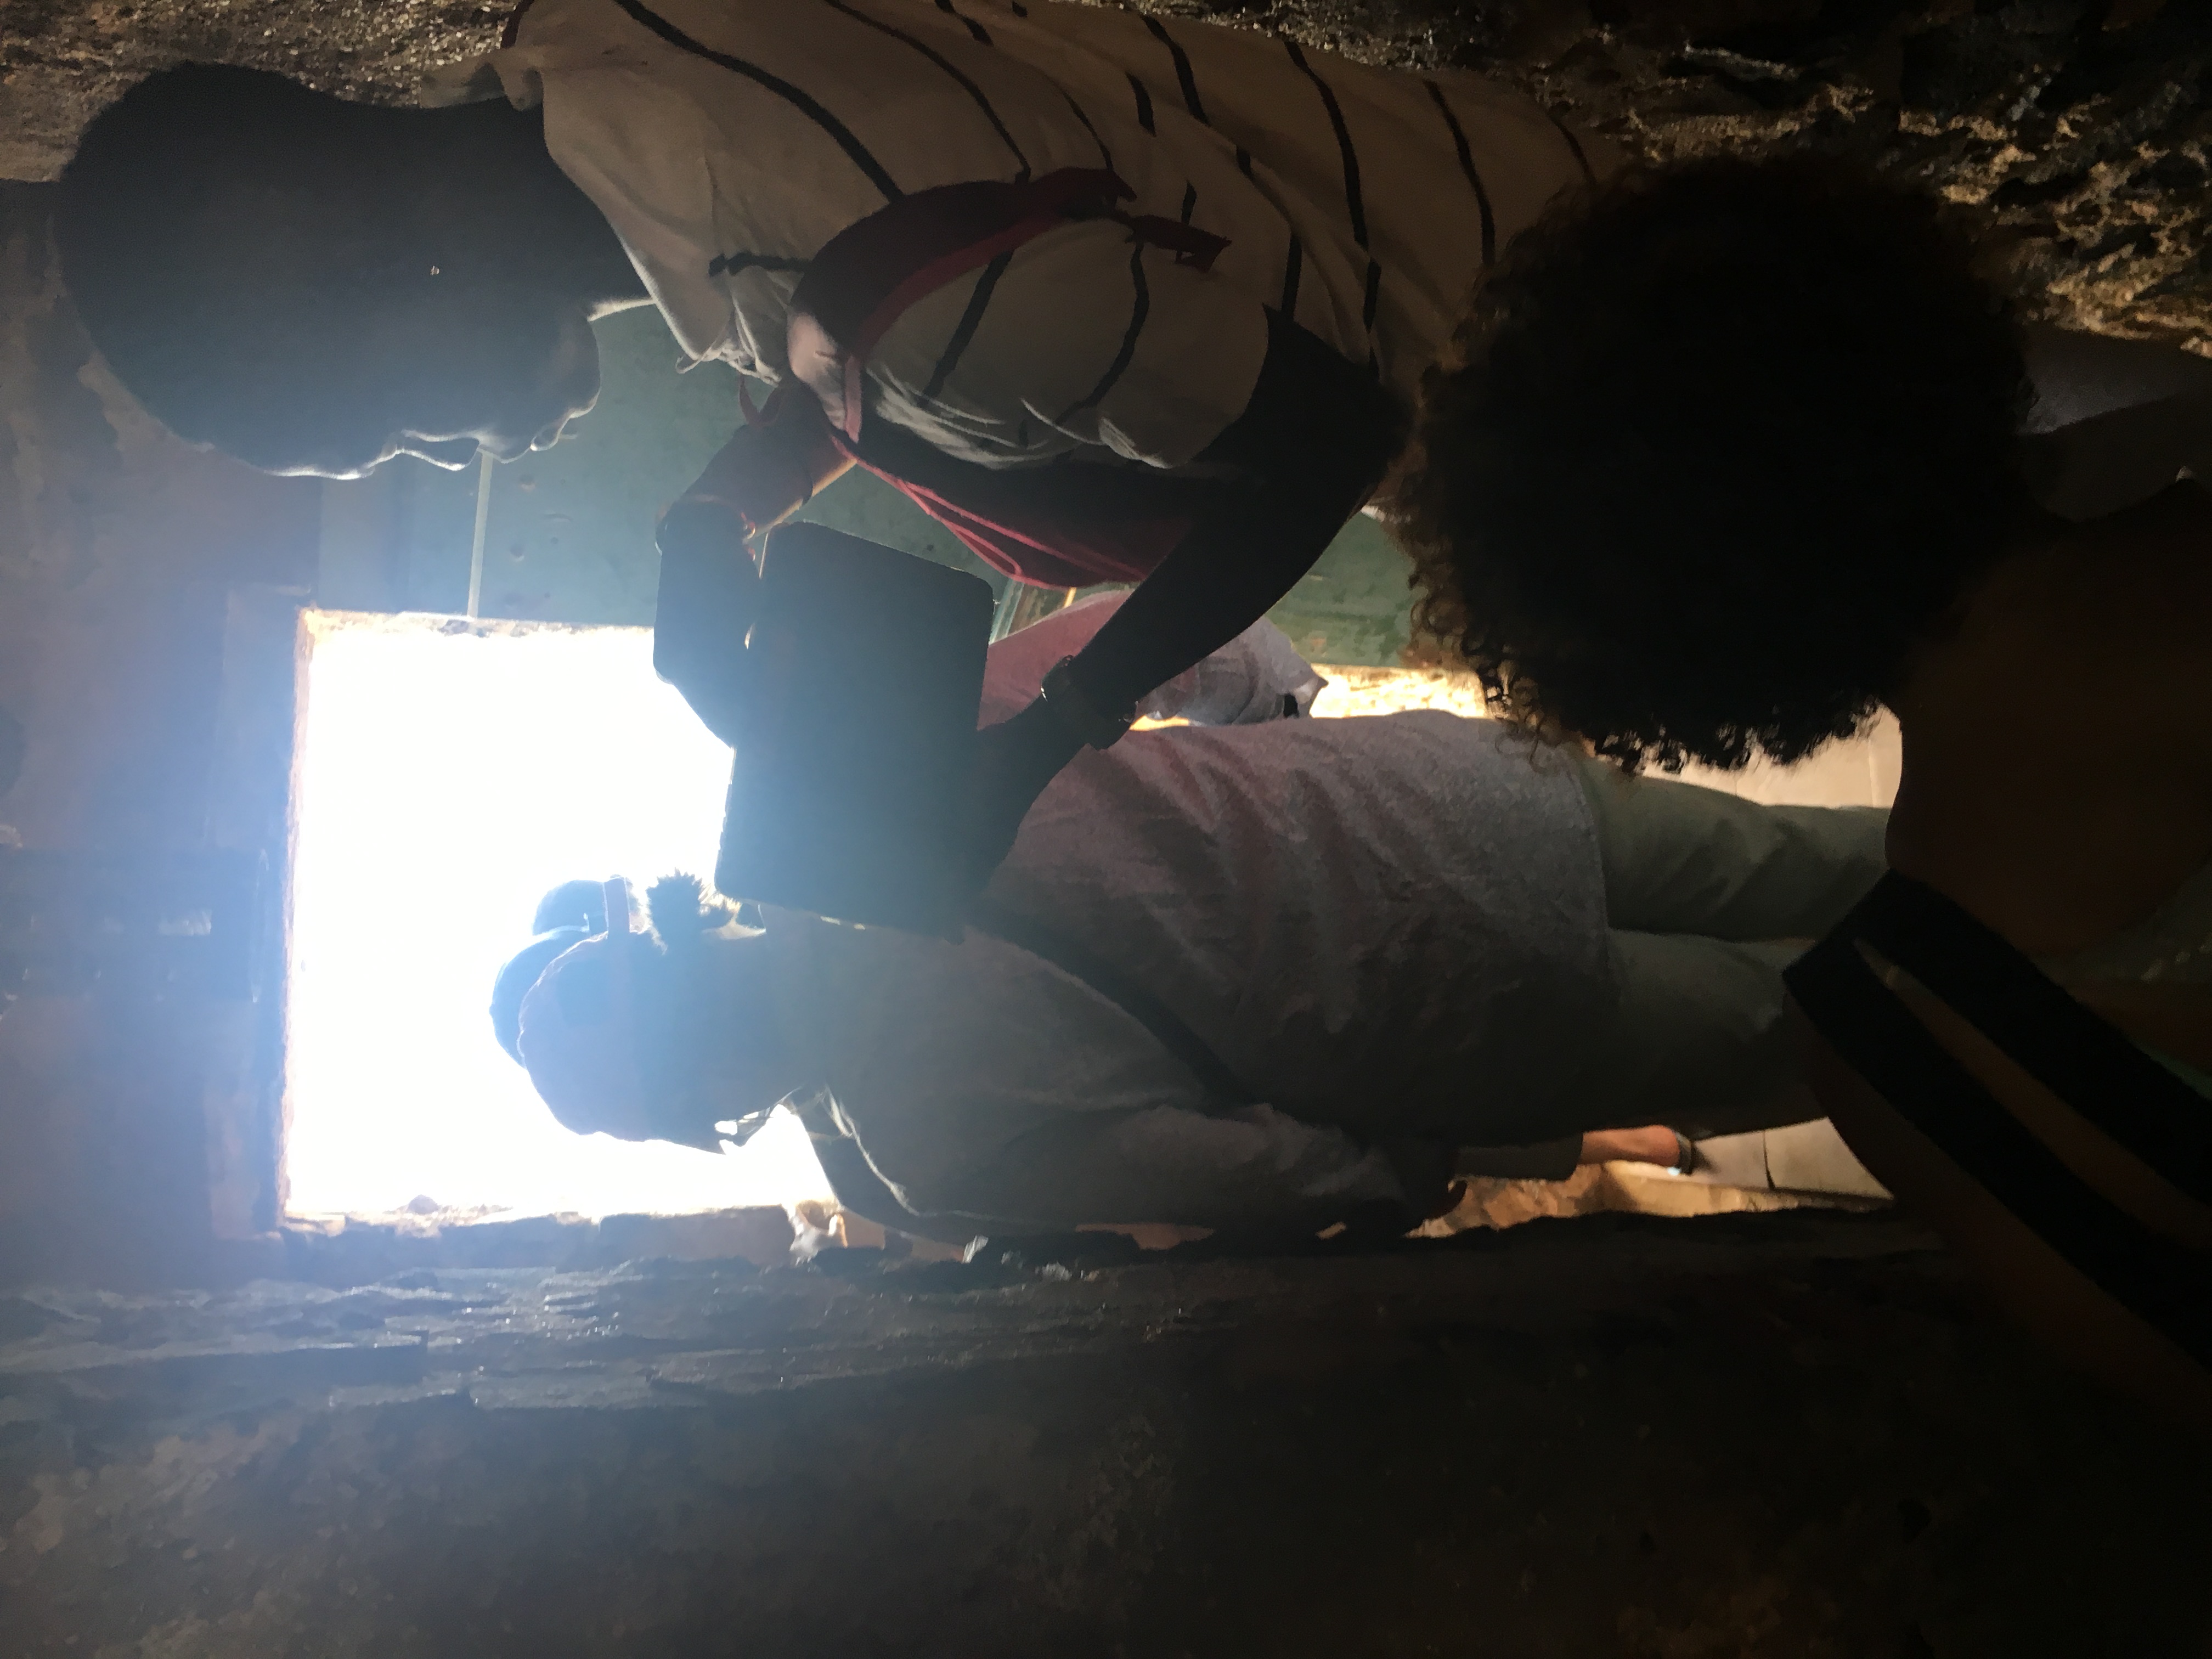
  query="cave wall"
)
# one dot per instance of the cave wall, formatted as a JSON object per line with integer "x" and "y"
{"x": 122, "y": 553}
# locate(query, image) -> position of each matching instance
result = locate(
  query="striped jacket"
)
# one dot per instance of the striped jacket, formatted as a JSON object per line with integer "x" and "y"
{"x": 726, "y": 141}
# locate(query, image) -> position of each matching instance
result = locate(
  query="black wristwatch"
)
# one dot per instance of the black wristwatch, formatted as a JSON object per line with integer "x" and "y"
{"x": 1082, "y": 717}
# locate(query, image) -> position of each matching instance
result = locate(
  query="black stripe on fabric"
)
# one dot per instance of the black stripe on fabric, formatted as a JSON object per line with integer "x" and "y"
{"x": 2082, "y": 1058}
{"x": 1291, "y": 263}
{"x": 982, "y": 35}
{"x": 1189, "y": 202}
{"x": 1574, "y": 148}
{"x": 1138, "y": 312}
{"x": 1355, "y": 203}
{"x": 728, "y": 264}
{"x": 1467, "y": 165}
{"x": 983, "y": 38}
{"x": 979, "y": 301}
{"x": 1374, "y": 299}
{"x": 1184, "y": 78}
{"x": 1243, "y": 161}
{"x": 1881, "y": 1040}
{"x": 1143, "y": 105}
{"x": 855, "y": 151}
{"x": 949, "y": 67}
{"x": 1105, "y": 155}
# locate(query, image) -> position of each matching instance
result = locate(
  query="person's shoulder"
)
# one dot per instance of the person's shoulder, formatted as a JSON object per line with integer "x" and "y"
{"x": 2122, "y": 610}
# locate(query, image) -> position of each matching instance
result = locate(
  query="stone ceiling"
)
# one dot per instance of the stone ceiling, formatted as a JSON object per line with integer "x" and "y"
{"x": 2082, "y": 126}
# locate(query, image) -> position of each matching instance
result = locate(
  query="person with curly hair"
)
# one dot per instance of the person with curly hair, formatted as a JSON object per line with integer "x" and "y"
{"x": 1729, "y": 454}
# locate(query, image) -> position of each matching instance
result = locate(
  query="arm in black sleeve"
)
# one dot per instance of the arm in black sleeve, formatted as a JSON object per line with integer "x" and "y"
{"x": 1312, "y": 444}
{"x": 1314, "y": 440}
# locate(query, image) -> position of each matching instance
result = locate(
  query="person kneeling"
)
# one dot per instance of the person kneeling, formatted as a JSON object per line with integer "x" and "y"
{"x": 1267, "y": 976}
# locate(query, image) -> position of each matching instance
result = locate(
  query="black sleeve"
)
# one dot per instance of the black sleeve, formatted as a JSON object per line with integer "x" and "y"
{"x": 1316, "y": 438}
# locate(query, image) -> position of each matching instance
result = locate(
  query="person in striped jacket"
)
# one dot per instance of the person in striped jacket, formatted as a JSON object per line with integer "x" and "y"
{"x": 1117, "y": 299}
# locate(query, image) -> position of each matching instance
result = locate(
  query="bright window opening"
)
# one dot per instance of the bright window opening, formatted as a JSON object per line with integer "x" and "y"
{"x": 448, "y": 775}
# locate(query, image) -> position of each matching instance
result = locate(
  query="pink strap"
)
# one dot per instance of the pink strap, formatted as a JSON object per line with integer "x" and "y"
{"x": 918, "y": 285}
{"x": 1054, "y": 200}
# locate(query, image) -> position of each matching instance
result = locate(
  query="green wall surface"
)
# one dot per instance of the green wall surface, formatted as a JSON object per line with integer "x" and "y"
{"x": 569, "y": 532}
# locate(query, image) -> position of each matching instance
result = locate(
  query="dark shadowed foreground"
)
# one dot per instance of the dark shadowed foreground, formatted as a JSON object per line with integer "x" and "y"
{"x": 1783, "y": 1435}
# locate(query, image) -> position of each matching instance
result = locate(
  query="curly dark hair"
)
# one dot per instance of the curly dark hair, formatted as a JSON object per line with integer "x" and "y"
{"x": 1716, "y": 444}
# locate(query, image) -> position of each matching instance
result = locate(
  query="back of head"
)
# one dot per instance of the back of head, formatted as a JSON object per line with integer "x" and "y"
{"x": 1714, "y": 447}
{"x": 572, "y": 904}
{"x": 218, "y": 228}
{"x": 519, "y": 975}
{"x": 566, "y": 916}
{"x": 609, "y": 1027}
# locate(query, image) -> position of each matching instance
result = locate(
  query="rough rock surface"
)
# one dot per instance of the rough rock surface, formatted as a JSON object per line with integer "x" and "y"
{"x": 2082, "y": 126}
{"x": 1781, "y": 1436}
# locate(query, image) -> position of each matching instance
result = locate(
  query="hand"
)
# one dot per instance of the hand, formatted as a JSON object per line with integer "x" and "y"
{"x": 1014, "y": 761}
{"x": 765, "y": 473}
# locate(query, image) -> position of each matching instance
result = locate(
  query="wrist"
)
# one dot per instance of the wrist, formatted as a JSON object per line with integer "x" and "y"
{"x": 1077, "y": 713}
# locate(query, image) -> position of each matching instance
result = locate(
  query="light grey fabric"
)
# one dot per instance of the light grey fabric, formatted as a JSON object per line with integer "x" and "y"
{"x": 1386, "y": 927}
{"x": 1679, "y": 857}
{"x": 1393, "y": 923}
{"x": 1699, "y": 1041}
{"x": 1405, "y": 926}
{"x": 1708, "y": 898}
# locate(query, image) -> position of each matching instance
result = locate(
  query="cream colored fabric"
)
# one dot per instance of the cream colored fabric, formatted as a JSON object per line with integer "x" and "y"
{"x": 1796, "y": 1157}
{"x": 722, "y": 188}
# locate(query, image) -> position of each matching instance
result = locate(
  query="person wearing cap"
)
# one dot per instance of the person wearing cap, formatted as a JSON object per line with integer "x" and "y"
{"x": 1267, "y": 973}
{"x": 1115, "y": 298}
{"x": 568, "y": 915}
{"x": 1842, "y": 473}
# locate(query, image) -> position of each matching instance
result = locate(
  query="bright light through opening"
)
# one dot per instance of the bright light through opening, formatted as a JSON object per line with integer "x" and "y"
{"x": 446, "y": 781}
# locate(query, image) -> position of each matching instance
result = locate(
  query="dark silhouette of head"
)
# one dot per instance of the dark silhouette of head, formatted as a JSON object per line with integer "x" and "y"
{"x": 1714, "y": 448}
{"x": 566, "y": 915}
{"x": 313, "y": 285}
{"x": 654, "y": 1035}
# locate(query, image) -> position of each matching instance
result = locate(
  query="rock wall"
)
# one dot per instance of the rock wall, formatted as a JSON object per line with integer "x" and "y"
{"x": 1786, "y": 1436}
{"x": 120, "y": 552}
{"x": 2081, "y": 125}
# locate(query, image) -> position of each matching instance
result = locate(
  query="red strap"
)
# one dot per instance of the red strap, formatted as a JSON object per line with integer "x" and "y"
{"x": 918, "y": 285}
{"x": 1189, "y": 244}
{"x": 1042, "y": 204}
